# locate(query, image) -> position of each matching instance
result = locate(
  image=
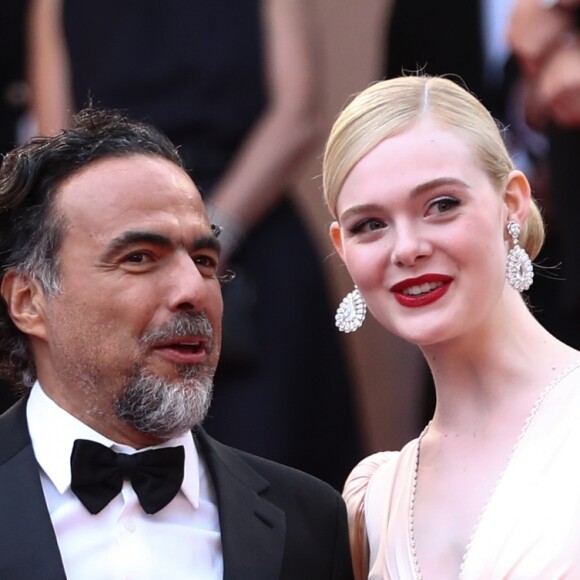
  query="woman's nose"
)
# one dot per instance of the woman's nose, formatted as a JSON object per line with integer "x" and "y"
{"x": 409, "y": 246}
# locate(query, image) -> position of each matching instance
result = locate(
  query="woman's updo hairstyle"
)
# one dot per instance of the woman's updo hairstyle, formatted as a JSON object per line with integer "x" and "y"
{"x": 387, "y": 108}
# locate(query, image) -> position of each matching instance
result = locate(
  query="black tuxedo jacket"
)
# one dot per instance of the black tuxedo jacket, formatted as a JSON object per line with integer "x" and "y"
{"x": 276, "y": 522}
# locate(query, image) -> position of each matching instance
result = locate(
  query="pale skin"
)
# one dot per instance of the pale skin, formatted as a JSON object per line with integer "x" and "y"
{"x": 138, "y": 250}
{"x": 420, "y": 204}
{"x": 278, "y": 144}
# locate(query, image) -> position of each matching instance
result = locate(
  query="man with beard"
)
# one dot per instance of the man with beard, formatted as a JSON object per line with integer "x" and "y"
{"x": 110, "y": 323}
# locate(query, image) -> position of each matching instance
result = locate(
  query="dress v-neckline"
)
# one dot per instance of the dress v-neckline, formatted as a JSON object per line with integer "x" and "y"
{"x": 415, "y": 469}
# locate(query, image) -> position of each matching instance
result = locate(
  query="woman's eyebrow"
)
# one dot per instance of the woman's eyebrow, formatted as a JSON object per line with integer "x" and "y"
{"x": 433, "y": 183}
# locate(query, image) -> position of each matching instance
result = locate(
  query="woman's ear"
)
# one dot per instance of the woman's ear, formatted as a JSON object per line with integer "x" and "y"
{"x": 336, "y": 238}
{"x": 26, "y": 303}
{"x": 517, "y": 196}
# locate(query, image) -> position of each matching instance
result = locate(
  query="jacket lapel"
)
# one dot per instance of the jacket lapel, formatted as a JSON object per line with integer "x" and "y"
{"x": 28, "y": 546}
{"x": 253, "y": 530}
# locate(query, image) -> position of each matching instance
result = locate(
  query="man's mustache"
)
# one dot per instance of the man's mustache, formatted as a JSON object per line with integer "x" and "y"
{"x": 183, "y": 324}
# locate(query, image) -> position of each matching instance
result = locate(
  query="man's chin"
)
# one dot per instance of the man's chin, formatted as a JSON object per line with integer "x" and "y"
{"x": 163, "y": 406}
{"x": 177, "y": 373}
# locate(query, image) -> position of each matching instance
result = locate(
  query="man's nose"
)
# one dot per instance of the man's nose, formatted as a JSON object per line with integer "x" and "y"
{"x": 189, "y": 289}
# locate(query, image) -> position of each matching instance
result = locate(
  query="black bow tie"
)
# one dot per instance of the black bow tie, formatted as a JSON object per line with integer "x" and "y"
{"x": 97, "y": 475}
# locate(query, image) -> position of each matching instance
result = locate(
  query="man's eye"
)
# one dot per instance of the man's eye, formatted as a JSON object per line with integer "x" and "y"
{"x": 137, "y": 258}
{"x": 208, "y": 263}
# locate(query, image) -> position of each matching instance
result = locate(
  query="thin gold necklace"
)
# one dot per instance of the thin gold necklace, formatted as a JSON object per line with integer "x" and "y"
{"x": 411, "y": 522}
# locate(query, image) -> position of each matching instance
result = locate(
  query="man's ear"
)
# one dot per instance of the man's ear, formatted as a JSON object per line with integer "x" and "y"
{"x": 517, "y": 196}
{"x": 336, "y": 239}
{"x": 26, "y": 303}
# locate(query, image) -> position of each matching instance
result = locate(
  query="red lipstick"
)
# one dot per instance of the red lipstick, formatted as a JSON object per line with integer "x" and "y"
{"x": 421, "y": 291}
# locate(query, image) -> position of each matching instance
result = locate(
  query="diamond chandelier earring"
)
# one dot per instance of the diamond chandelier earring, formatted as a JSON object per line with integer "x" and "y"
{"x": 351, "y": 312}
{"x": 519, "y": 269}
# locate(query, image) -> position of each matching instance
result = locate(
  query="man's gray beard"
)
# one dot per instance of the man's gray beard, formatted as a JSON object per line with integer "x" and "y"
{"x": 167, "y": 408}
{"x": 164, "y": 408}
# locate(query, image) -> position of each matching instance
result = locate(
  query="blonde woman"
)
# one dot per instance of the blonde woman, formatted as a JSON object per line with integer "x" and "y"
{"x": 438, "y": 229}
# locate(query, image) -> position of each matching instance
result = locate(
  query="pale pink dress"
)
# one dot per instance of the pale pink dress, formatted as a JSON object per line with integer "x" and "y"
{"x": 530, "y": 527}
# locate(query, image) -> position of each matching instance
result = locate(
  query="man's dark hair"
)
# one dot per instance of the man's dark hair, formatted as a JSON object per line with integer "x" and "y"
{"x": 31, "y": 227}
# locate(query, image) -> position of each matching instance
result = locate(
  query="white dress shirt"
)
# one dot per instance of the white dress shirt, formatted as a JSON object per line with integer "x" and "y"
{"x": 122, "y": 542}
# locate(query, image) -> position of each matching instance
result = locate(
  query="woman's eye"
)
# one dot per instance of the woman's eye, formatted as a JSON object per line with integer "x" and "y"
{"x": 442, "y": 205}
{"x": 367, "y": 225}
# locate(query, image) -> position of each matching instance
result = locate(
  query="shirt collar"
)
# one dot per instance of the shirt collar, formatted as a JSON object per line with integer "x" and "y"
{"x": 53, "y": 432}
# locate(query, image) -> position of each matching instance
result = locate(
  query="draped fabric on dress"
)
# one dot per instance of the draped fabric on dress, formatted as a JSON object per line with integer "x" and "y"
{"x": 530, "y": 527}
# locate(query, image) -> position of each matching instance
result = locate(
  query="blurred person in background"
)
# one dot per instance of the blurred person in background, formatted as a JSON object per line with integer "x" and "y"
{"x": 13, "y": 88}
{"x": 13, "y": 101}
{"x": 544, "y": 36}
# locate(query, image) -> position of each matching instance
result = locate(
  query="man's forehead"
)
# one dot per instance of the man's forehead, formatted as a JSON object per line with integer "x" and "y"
{"x": 114, "y": 195}
{"x": 129, "y": 182}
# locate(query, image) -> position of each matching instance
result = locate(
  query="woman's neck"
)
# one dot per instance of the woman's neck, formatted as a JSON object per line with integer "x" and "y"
{"x": 505, "y": 362}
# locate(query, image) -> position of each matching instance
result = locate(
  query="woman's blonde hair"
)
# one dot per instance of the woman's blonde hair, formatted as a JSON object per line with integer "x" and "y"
{"x": 387, "y": 108}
